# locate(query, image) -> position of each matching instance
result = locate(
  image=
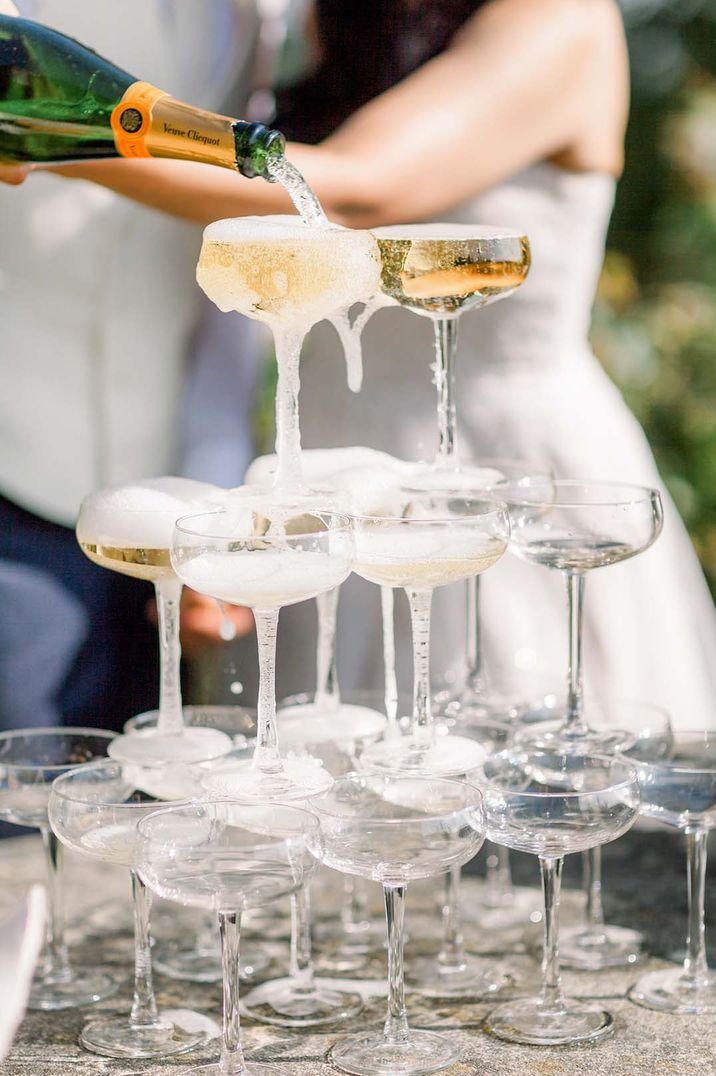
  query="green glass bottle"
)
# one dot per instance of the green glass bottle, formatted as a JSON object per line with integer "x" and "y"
{"x": 60, "y": 102}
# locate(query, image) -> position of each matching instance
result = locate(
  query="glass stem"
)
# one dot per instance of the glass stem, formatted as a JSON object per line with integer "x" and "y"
{"x": 498, "y": 877}
{"x": 452, "y": 953}
{"x": 301, "y": 961}
{"x": 396, "y": 1023}
{"x": 171, "y": 720}
{"x": 420, "y": 602}
{"x": 267, "y": 757}
{"x": 232, "y": 1058}
{"x": 289, "y": 470}
{"x": 327, "y": 693}
{"x": 473, "y": 638}
{"x": 445, "y": 362}
{"x": 55, "y": 965}
{"x": 144, "y": 1006}
{"x": 387, "y": 603}
{"x": 592, "y": 867}
{"x": 551, "y": 993}
{"x": 696, "y": 969}
{"x": 575, "y": 603}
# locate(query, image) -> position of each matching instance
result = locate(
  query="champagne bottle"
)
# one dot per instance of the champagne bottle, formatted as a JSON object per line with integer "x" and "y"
{"x": 61, "y": 101}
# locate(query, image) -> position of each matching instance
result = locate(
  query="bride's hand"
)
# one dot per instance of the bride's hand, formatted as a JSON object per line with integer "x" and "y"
{"x": 13, "y": 174}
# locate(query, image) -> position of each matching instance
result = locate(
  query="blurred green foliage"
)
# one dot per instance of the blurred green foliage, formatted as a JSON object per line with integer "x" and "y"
{"x": 655, "y": 316}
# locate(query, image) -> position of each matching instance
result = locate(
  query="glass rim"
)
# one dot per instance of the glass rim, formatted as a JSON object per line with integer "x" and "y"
{"x": 692, "y": 736}
{"x": 53, "y": 730}
{"x": 345, "y": 527}
{"x": 174, "y": 807}
{"x": 643, "y": 494}
{"x": 399, "y": 821}
{"x": 618, "y": 759}
{"x": 496, "y": 507}
{"x": 113, "y": 804}
{"x": 482, "y": 233}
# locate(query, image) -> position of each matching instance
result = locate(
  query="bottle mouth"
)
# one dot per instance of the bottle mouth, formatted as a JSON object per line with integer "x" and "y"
{"x": 256, "y": 145}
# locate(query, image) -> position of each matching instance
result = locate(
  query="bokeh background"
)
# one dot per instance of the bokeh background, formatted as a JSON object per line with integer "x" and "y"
{"x": 655, "y": 317}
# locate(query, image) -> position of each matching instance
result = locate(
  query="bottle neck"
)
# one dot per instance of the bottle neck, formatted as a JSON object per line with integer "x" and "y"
{"x": 150, "y": 123}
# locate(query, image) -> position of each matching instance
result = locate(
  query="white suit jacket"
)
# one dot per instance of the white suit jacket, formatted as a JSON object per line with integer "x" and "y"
{"x": 97, "y": 295}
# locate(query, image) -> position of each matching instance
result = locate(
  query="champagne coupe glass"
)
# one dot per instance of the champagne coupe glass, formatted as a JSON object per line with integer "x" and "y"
{"x": 30, "y": 759}
{"x": 680, "y": 791}
{"x": 594, "y": 944}
{"x": 265, "y": 550}
{"x": 227, "y": 857}
{"x": 553, "y": 804}
{"x": 95, "y": 810}
{"x": 395, "y": 829}
{"x": 580, "y": 526}
{"x": 128, "y": 529}
{"x": 441, "y": 271}
{"x": 428, "y": 539}
{"x": 198, "y": 959}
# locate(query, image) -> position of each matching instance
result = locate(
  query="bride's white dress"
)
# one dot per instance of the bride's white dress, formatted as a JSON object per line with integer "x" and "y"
{"x": 528, "y": 386}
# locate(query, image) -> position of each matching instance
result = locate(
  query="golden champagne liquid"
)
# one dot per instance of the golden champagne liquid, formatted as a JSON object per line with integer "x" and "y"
{"x": 279, "y": 271}
{"x": 150, "y": 564}
{"x": 442, "y": 270}
{"x": 418, "y": 575}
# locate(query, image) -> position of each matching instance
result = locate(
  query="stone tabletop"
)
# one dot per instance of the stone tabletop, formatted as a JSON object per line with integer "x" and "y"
{"x": 644, "y": 887}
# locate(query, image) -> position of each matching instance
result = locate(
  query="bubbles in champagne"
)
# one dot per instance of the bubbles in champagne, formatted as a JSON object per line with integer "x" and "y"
{"x": 140, "y": 514}
{"x": 442, "y": 269}
{"x": 266, "y": 579}
{"x": 278, "y": 270}
{"x": 328, "y": 466}
{"x": 399, "y": 556}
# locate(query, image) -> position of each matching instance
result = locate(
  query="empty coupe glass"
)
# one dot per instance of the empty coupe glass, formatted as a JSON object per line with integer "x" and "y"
{"x": 551, "y": 805}
{"x": 95, "y": 811}
{"x": 396, "y": 829}
{"x": 227, "y": 857}
{"x": 680, "y": 791}
{"x": 30, "y": 760}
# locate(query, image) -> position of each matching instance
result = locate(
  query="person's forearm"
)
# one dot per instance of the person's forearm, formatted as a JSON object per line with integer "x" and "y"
{"x": 201, "y": 193}
{"x": 474, "y": 115}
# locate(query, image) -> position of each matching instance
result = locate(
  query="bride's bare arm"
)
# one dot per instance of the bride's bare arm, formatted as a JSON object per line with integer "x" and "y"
{"x": 510, "y": 90}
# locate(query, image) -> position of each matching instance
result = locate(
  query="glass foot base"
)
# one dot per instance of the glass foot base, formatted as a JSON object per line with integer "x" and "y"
{"x": 282, "y": 1003}
{"x": 250, "y": 1068}
{"x": 116, "y": 1038}
{"x": 312, "y": 723}
{"x": 448, "y": 756}
{"x": 472, "y": 978}
{"x": 604, "y": 947}
{"x": 204, "y": 965}
{"x": 149, "y": 747}
{"x": 554, "y": 736}
{"x": 244, "y": 781}
{"x": 671, "y": 991}
{"x": 371, "y": 1055}
{"x": 85, "y": 987}
{"x": 531, "y": 1023}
